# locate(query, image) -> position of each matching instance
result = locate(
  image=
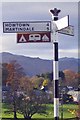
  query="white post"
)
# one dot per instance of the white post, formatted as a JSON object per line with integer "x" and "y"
{"x": 56, "y": 77}
{"x": 55, "y": 63}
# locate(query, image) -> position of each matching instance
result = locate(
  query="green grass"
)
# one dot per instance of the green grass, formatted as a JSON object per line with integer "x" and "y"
{"x": 66, "y": 113}
{"x": 50, "y": 114}
{"x": 69, "y": 110}
{"x": 8, "y": 114}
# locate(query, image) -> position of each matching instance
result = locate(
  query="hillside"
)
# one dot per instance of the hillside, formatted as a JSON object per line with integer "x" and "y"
{"x": 34, "y": 66}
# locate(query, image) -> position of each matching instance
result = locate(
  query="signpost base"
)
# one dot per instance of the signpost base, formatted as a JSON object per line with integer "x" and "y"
{"x": 56, "y": 118}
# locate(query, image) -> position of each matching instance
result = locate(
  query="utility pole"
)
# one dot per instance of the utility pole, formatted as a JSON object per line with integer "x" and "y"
{"x": 55, "y": 13}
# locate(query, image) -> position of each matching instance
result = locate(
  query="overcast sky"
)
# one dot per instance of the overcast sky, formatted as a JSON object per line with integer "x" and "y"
{"x": 34, "y": 11}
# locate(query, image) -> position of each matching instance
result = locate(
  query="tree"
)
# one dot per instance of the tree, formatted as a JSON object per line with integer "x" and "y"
{"x": 69, "y": 77}
{"x": 61, "y": 80}
{"x": 62, "y": 75}
{"x": 4, "y": 73}
{"x": 47, "y": 75}
{"x": 22, "y": 96}
{"x": 77, "y": 80}
{"x": 37, "y": 81}
{"x": 31, "y": 100}
{"x": 45, "y": 82}
{"x": 15, "y": 72}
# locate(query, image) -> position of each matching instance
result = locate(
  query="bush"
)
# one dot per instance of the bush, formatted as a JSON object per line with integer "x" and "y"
{"x": 66, "y": 98}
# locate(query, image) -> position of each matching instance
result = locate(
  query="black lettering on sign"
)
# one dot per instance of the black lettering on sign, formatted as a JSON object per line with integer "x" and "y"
{"x": 32, "y": 28}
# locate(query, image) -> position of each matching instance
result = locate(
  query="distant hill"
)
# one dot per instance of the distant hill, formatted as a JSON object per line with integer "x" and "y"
{"x": 34, "y": 66}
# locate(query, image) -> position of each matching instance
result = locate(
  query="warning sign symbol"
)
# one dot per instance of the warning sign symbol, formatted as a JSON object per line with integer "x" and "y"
{"x": 22, "y": 39}
{"x": 45, "y": 38}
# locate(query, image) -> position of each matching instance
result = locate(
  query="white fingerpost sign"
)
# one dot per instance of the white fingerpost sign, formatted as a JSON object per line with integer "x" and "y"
{"x": 62, "y": 23}
{"x": 67, "y": 31}
{"x": 21, "y": 27}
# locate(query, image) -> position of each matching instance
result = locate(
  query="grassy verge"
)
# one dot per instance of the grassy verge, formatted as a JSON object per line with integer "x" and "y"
{"x": 68, "y": 112}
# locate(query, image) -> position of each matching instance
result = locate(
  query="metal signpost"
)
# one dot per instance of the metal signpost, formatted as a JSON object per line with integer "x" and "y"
{"x": 57, "y": 26}
{"x": 55, "y": 13}
{"x": 43, "y": 31}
